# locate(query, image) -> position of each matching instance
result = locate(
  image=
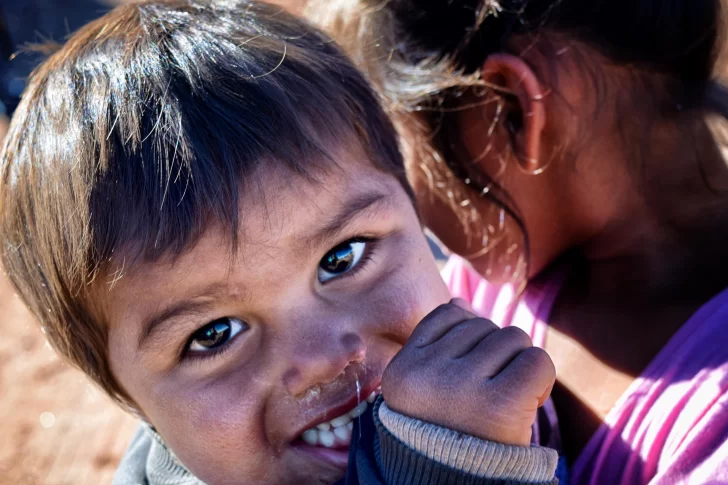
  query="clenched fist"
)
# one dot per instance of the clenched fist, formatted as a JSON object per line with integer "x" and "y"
{"x": 465, "y": 373}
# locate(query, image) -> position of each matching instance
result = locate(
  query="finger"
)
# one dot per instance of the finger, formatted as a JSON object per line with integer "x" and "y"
{"x": 437, "y": 324}
{"x": 546, "y": 393}
{"x": 462, "y": 303}
{"x": 498, "y": 349}
{"x": 531, "y": 371}
{"x": 461, "y": 338}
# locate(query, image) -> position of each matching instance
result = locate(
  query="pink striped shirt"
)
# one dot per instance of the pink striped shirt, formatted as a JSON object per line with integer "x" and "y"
{"x": 671, "y": 425}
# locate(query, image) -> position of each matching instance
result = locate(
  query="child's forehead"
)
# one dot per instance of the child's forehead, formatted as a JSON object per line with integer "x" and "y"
{"x": 282, "y": 238}
{"x": 291, "y": 211}
{"x": 281, "y": 211}
{"x": 276, "y": 195}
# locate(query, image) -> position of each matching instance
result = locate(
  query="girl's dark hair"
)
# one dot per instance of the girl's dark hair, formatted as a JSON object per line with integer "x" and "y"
{"x": 422, "y": 54}
{"x": 149, "y": 124}
{"x": 413, "y": 49}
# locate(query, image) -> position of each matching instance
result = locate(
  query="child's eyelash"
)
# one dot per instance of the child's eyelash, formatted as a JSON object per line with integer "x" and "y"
{"x": 210, "y": 354}
{"x": 372, "y": 245}
{"x": 201, "y": 357}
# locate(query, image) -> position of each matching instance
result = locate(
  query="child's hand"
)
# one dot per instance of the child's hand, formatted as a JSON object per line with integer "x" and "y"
{"x": 462, "y": 372}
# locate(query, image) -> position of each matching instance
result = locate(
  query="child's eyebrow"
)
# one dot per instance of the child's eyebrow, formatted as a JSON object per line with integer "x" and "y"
{"x": 345, "y": 216}
{"x": 158, "y": 323}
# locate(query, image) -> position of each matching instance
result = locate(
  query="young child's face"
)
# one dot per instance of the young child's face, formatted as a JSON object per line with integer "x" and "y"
{"x": 233, "y": 359}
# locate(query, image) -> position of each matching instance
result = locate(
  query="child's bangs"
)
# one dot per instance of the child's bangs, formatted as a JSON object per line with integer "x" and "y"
{"x": 187, "y": 125}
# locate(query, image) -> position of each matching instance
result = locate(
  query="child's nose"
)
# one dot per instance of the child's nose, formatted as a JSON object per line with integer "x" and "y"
{"x": 319, "y": 361}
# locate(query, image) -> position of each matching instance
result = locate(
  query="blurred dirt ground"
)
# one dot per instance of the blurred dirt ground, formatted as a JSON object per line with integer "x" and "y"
{"x": 57, "y": 428}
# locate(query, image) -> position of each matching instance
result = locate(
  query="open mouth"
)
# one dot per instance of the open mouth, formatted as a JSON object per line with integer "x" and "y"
{"x": 327, "y": 440}
{"x": 336, "y": 433}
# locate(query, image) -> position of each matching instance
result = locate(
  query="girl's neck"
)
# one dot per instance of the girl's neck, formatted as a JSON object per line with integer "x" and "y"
{"x": 659, "y": 258}
{"x": 662, "y": 263}
{"x": 668, "y": 243}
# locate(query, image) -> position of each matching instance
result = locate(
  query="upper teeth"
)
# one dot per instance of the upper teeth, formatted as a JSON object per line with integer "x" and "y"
{"x": 337, "y": 432}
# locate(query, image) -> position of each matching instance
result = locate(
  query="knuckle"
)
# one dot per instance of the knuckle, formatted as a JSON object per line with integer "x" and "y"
{"x": 462, "y": 328}
{"x": 473, "y": 327}
{"x": 538, "y": 358}
{"x": 480, "y": 323}
{"x": 516, "y": 336}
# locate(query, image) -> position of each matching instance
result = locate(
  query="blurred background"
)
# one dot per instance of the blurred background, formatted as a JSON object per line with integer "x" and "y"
{"x": 57, "y": 429}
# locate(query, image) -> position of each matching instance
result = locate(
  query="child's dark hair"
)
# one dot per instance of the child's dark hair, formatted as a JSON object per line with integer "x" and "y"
{"x": 150, "y": 123}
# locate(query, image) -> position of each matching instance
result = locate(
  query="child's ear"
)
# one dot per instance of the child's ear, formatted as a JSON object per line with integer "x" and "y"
{"x": 524, "y": 114}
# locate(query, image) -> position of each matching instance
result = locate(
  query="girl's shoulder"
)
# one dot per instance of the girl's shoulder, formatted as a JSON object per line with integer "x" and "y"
{"x": 671, "y": 426}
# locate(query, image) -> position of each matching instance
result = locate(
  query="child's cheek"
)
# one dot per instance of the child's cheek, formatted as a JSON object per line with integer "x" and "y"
{"x": 406, "y": 294}
{"x": 216, "y": 427}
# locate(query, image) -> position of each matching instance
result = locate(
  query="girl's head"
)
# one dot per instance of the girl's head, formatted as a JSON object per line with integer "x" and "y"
{"x": 205, "y": 206}
{"x": 536, "y": 123}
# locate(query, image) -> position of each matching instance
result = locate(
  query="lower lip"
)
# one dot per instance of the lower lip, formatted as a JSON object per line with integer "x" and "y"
{"x": 338, "y": 458}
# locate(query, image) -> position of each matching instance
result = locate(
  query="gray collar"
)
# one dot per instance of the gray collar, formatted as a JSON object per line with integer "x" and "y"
{"x": 148, "y": 461}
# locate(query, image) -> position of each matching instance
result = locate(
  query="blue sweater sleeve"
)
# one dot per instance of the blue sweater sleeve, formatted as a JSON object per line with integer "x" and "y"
{"x": 378, "y": 457}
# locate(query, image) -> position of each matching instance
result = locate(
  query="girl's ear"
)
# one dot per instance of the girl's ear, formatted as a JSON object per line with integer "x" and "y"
{"x": 524, "y": 114}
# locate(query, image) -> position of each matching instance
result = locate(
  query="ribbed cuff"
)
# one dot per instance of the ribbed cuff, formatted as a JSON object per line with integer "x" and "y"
{"x": 412, "y": 451}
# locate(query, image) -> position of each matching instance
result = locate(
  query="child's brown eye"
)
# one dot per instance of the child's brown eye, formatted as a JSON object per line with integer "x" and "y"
{"x": 341, "y": 259}
{"x": 216, "y": 334}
